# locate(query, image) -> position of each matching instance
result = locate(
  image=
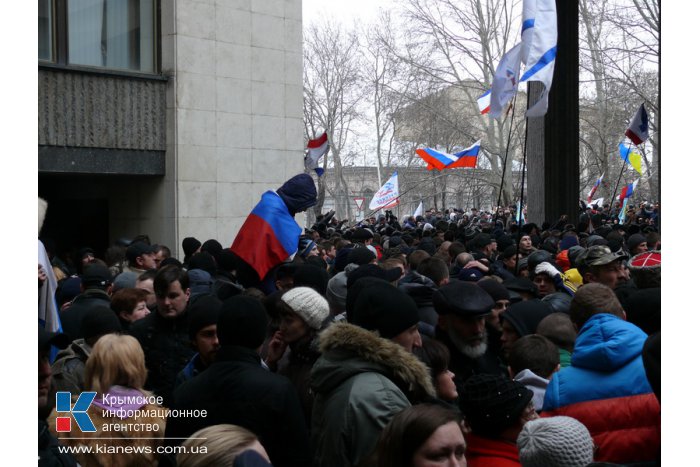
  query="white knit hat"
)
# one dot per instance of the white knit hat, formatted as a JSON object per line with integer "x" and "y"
{"x": 308, "y": 304}
{"x": 555, "y": 442}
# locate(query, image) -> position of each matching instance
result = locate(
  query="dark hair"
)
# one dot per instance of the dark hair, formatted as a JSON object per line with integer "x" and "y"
{"x": 167, "y": 276}
{"x": 559, "y": 329}
{"x": 434, "y": 269}
{"x": 127, "y": 299}
{"x": 434, "y": 354}
{"x": 166, "y": 251}
{"x": 455, "y": 249}
{"x": 407, "y": 432}
{"x": 417, "y": 257}
{"x": 535, "y": 353}
{"x": 592, "y": 299}
{"x": 149, "y": 274}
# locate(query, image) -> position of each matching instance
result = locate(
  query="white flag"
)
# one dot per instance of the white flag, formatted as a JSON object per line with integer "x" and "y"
{"x": 419, "y": 210}
{"x": 388, "y": 194}
{"x": 539, "y": 36}
{"x": 505, "y": 81}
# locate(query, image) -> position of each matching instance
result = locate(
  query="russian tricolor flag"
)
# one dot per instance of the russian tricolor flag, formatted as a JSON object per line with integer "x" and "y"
{"x": 440, "y": 160}
{"x": 484, "y": 102}
{"x": 268, "y": 236}
{"x": 628, "y": 190}
{"x": 595, "y": 187}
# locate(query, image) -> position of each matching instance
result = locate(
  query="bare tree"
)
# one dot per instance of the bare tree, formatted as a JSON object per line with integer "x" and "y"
{"x": 457, "y": 45}
{"x": 331, "y": 95}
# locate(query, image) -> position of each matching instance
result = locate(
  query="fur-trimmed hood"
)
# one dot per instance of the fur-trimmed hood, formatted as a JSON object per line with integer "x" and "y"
{"x": 348, "y": 350}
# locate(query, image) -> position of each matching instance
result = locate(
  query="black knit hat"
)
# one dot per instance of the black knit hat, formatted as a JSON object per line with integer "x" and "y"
{"x": 202, "y": 313}
{"x": 204, "y": 261}
{"x": 190, "y": 245}
{"x": 384, "y": 308}
{"x": 242, "y": 322}
{"x": 96, "y": 275}
{"x": 634, "y": 241}
{"x": 525, "y": 316}
{"x": 492, "y": 403}
{"x": 361, "y": 256}
{"x": 372, "y": 270}
{"x": 213, "y": 247}
{"x": 309, "y": 275}
{"x": 99, "y": 321}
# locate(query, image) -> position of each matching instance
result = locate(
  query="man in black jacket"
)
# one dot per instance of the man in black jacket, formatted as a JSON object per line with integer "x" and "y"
{"x": 237, "y": 390}
{"x": 96, "y": 289}
{"x": 164, "y": 335}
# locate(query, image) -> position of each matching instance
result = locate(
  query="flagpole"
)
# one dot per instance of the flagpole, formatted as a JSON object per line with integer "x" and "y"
{"x": 624, "y": 162}
{"x": 521, "y": 214}
{"x": 505, "y": 160}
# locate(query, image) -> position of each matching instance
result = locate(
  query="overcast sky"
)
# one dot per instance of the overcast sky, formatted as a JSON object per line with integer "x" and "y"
{"x": 345, "y": 10}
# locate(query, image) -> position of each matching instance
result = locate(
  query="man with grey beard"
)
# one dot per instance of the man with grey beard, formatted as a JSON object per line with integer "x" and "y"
{"x": 462, "y": 308}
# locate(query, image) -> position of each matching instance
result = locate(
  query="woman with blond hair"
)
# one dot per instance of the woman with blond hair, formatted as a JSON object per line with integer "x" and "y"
{"x": 218, "y": 445}
{"x": 129, "y": 424}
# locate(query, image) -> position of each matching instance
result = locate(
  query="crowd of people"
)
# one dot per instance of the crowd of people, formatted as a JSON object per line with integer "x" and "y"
{"x": 450, "y": 339}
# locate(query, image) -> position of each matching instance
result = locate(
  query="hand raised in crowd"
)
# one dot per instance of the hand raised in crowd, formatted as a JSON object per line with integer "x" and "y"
{"x": 275, "y": 350}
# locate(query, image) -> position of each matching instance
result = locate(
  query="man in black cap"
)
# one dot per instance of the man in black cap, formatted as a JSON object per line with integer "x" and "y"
{"x": 96, "y": 289}
{"x": 164, "y": 335}
{"x": 68, "y": 371}
{"x": 237, "y": 390}
{"x": 462, "y": 308}
{"x": 49, "y": 453}
{"x": 141, "y": 257}
{"x": 521, "y": 319}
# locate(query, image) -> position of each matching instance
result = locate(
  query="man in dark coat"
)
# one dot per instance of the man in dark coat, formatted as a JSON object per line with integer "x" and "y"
{"x": 164, "y": 335}
{"x": 96, "y": 288}
{"x": 462, "y": 308}
{"x": 237, "y": 390}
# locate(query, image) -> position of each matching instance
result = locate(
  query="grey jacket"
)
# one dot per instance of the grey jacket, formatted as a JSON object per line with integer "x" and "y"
{"x": 360, "y": 382}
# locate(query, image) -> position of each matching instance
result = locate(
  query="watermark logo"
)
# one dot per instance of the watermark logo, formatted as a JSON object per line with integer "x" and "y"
{"x": 78, "y": 411}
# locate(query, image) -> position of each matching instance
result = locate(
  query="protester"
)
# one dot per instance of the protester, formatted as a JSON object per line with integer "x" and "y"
{"x": 606, "y": 388}
{"x": 555, "y": 442}
{"x": 163, "y": 335}
{"x": 237, "y": 390}
{"x": 303, "y": 312}
{"x": 495, "y": 409}
{"x": 68, "y": 371}
{"x": 116, "y": 371}
{"x": 203, "y": 317}
{"x": 96, "y": 288}
{"x": 224, "y": 444}
{"x": 129, "y": 305}
{"x": 421, "y": 436}
{"x": 533, "y": 360}
{"x": 363, "y": 379}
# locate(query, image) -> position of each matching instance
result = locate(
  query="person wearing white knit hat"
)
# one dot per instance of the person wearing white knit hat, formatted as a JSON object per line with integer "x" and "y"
{"x": 303, "y": 312}
{"x": 555, "y": 442}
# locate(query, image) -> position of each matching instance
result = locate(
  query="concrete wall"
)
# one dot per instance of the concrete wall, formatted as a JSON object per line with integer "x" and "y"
{"x": 234, "y": 109}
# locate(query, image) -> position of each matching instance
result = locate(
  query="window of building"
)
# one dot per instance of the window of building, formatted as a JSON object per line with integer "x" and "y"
{"x": 112, "y": 34}
{"x": 46, "y": 30}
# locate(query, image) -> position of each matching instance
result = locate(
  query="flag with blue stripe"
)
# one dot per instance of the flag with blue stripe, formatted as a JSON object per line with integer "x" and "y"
{"x": 539, "y": 39}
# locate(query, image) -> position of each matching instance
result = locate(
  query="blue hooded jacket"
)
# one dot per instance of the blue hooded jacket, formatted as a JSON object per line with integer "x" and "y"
{"x": 298, "y": 193}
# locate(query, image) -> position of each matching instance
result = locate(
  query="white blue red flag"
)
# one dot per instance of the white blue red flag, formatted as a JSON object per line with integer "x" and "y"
{"x": 484, "y": 102}
{"x": 440, "y": 160}
{"x": 539, "y": 38}
{"x": 388, "y": 194}
{"x": 268, "y": 236}
{"x": 595, "y": 187}
{"x": 316, "y": 149}
{"x": 628, "y": 190}
{"x": 638, "y": 130}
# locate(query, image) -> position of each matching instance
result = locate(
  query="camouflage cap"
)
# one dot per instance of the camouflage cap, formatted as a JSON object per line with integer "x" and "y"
{"x": 598, "y": 255}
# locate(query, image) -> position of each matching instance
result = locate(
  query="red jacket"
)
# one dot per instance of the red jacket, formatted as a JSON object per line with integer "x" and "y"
{"x": 485, "y": 452}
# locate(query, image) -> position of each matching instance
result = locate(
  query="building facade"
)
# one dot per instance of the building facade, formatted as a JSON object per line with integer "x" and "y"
{"x": 165, "y": 117}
